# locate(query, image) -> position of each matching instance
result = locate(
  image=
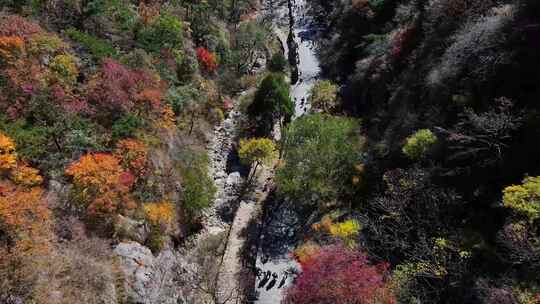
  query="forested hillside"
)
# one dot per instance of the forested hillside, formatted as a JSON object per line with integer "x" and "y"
{"x": 106, "y": 110}
{"x": 447, "y": 92}
{"x": 264, "y": 151}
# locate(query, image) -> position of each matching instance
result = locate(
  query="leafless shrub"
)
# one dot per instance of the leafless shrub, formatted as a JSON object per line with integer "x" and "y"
{"x": 202, "y": 274}
{"x": 489, "y": 294}
{"x": 82, "y": 271}
{"x": 521, "y": 244}
{"x": 484, "y": 136}
{"x": 475, "y": 45}
{"x": 406, "y": 13}
{"x": 78, "y": 272}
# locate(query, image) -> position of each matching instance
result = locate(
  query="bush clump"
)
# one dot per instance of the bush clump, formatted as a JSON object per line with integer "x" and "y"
{"x": 419, "y": 144}
{"x": 272, "y": 102}
{"x": 524, "y": 198}
{"x": 197, "y": 185}
{"x": 65, "y": 69}
{"x": 321, "y": 152}
{"x": 323, "y": 95}
{"x": 278, "y": 63}
{"x": 126, "y": 126}
{"x": 163, "y": 32}
{"x": 98, "y": 48}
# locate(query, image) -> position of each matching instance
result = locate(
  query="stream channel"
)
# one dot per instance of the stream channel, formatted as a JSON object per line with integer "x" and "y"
{"x": 275, "y": 265}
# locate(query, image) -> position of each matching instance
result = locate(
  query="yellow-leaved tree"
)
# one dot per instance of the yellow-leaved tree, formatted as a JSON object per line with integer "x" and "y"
{"x": 256, "y": 152}
{"x": 161, "y": 218}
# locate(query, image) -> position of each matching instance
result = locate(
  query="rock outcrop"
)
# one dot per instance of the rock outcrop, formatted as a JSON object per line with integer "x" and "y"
{"x": 149, "y": 279}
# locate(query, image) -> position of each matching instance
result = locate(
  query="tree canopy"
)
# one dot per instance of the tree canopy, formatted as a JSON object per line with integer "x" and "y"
{"x": 271, "y": 103}
{"x": 321, "y": 152}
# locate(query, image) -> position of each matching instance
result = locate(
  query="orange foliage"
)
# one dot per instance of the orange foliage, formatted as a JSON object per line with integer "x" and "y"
{"x": 325, "y": 224}
{"x": 10, "y": 48}
{"x": 102, "y": 183}
{"x": 95, "y": 170}
{"x": 20, "y": 174}
{"x": 360, "y": 171}
{"x": 306, "y": 252}
{"x": 167, "y": 120}
{"x": 23, "y": 214}
{"x": 25, "y": 175}
{"x": 133, "y": 155}
{"x": 8, "y": 156}
{"x": 160, "y": 214}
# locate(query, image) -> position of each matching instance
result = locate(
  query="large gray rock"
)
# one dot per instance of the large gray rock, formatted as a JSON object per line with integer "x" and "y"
{"x": 149, "y": 279}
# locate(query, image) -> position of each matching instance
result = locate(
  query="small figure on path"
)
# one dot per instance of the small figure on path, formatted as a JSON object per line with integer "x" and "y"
{"x": 283, "y": 280}
{"x": 273, "y": 282}
{"x": 264, "y": 280}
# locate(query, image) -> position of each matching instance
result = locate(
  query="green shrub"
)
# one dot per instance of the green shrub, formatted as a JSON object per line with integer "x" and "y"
{"x": 216, "y": 115}
{"x": 278, "y": 63}
{"x": 124, "y": 14}
{"x": 524, "y": 198}
{"x": 188, "y": 67}
{"x": 32, "y": 141}
{"x": 84, "y": 135}
{"x": 138, "y": 59}
{"x": 164, "y": 32}
{"x": 126, "y": 126}
{"x": 271, "y": 103}
{"x": 377, "y": 5}
{"x": 321, "y": 152}
{"x": 197, "y": 185}
{"x": 155, "y": 240}
{"x": 419, "y": 144}
{"x": 182, "y": 98}
{"x": 46, "y": 44}
{"x": 98, "y": 48}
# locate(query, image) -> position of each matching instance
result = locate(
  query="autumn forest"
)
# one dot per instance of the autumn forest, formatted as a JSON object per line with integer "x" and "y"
{"x": 269, "y": 151}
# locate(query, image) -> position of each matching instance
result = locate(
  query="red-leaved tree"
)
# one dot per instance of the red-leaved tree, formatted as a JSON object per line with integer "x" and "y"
{"x": 337, "y": 274}
{"x": 117, "y": 87}
{"x": 207, "y": 59}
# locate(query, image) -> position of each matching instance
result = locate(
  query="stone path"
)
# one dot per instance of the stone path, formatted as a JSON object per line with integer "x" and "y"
{"x": 231, "y": 272}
